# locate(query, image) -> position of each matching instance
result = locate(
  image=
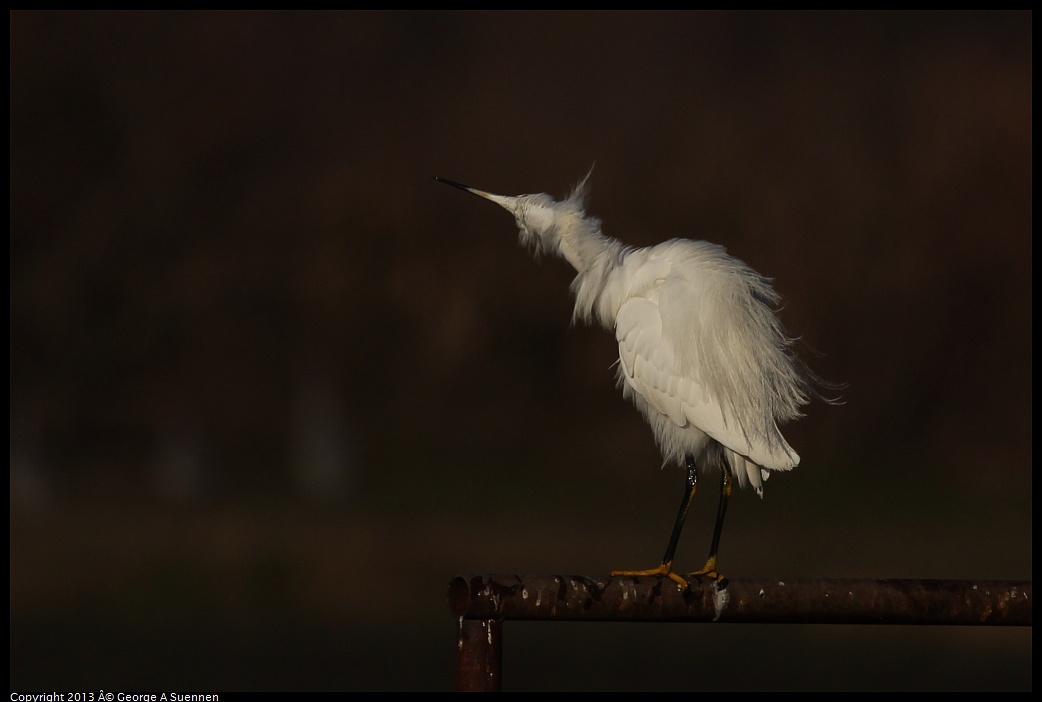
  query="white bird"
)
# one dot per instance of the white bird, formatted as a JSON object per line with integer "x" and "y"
{"x": 702, "y": 353}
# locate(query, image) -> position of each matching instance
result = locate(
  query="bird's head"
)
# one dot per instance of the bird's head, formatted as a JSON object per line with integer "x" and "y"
{"x": 543, "y": 223}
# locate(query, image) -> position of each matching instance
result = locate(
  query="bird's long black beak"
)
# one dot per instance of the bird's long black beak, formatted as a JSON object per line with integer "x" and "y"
{"x": 467, "y": 188}
{"x": 453, "y": 183}
{"x": 501, "y": 200}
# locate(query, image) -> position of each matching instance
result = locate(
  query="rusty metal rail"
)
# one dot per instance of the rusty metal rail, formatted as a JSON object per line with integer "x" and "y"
{"x": 483, "y": 602}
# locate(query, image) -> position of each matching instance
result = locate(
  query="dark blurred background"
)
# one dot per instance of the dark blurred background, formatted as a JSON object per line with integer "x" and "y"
{"x": 272, "y": 386}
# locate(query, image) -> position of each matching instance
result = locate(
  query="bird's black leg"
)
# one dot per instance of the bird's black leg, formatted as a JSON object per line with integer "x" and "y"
{"x": 690, "y": 488}
{"x": 709, "y": 569}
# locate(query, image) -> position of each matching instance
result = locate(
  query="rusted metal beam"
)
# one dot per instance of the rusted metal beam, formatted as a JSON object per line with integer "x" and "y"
{"x": 763, "y": 600}
{"x": 483, "y": 602}
{"x": 479, "y": 655}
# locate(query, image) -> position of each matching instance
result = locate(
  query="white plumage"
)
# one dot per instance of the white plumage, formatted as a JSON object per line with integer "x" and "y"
{"x": 702, "y": 353}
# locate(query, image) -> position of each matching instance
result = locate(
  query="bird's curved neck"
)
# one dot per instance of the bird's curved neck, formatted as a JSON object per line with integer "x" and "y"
{"x": 595, "y": 257}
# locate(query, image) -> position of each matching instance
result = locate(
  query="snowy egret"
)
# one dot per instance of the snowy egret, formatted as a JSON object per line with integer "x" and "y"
{"x": 702, "y": 353}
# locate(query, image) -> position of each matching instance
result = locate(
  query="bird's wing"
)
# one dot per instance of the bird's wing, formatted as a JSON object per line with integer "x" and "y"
{"x": 650, "y": 367}
{"x": 647, "y": 364}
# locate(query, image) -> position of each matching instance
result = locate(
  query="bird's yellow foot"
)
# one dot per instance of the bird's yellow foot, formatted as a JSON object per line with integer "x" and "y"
{"x": 708, "y": 571}
{"x": 666, "y": 569}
